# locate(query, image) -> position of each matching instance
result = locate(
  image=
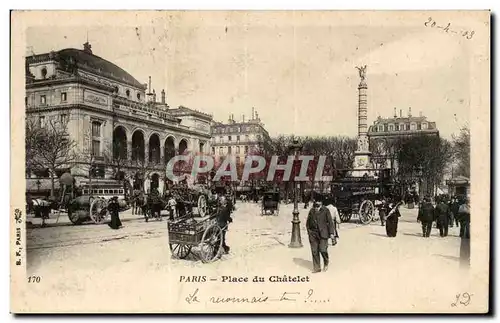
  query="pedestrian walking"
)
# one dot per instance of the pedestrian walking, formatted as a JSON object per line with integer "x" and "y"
{"x": 114, "y": 210}
{"x": 454, "y": 210}
{"x": 320, "y": 227}
{"x": 383, "y": 209}
{"x": 442, "y": 217}
{"x": 171, "y": 207}
{"x": 335, "y": 217}
{"x": 223, "y": 220}
{"x": 392, "y": 220}
{"x": 464, "y": 218}
{"x": 426, "y": 216}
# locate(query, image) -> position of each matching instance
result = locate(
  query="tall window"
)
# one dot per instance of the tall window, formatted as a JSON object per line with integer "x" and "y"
{"x": 43, "y": 99}
{"x": 229, "y": 150}
{"x": 419, "y": 126}
{"x": 229, "y": 138}
{"x": 96, "y": 138}
{"x": 213, "y": 150}
{"x": 64, "y": 118}
{"x": 391, "y": 127}
{"x": 237, "y": 149}
{"x": 238, "y": 138}
{"x": 380, "y": 128}
{"x": 41, "y": 122}
{"x": 64, "y": 96}
{"x": 201, "y": 146}
{"x": 96, "y": 147}
{"x": 96, "y": 129}
{"x": 413, "y": 126}
{"x": 424, "y": 126}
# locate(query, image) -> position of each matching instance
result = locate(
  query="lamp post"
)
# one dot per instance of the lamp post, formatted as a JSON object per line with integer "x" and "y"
{"x": 296, "y": 240}
{"x": 38, "y": 183}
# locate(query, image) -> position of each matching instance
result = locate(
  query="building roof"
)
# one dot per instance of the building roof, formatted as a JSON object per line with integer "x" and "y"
{"x": 99, "y": 65}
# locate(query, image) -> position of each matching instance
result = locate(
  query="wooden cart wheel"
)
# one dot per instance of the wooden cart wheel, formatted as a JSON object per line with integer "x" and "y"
{"x": 366, "y": 212}
{"x": 74, "y": 217}
{"x": 202, "y": 205}
{"x": 180, "y": 251}
{"x": 345, "y": 216}
{"x": 98, "y": 210}
{"x": 211, "y": 243}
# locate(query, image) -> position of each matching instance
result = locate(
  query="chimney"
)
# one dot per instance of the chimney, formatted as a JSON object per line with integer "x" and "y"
{"x": 87, "y": 48}
{"x": 409, "y": 112}
{"x": 154, "y": 96}
{"x": 395, "y": 113}
{"x": 243, "y": 118}
{"x": 253, "y": 113}
{"x": 163, "y": 96}
{"x": 149, "y": 89}
{"x": 229, "y": 120}
{"x": 400, "y": 113}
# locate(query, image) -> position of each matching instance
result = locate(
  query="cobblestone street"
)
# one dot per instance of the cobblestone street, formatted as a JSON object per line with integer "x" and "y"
{"x": 368, "y": 271}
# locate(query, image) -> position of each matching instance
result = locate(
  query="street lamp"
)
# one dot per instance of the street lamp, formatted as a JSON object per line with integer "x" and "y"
{"x": 296, "y": 241}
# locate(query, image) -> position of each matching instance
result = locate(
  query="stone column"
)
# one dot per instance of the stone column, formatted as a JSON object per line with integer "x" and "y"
{"x": 362, "y": 109}
{"x": 129, "y": 150}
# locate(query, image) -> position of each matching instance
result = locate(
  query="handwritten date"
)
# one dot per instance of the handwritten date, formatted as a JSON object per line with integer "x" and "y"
{"x": 467, "y": 34}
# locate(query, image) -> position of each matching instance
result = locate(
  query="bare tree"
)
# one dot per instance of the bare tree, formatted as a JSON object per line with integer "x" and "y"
{"x": 461, "y": 151}
{"x": 50, "y": 147}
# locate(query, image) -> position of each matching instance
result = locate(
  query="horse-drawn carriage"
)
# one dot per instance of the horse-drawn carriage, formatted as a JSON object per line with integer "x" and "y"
{"x": 357, "y": 195}
{"x": 270, "y": 202}
{"x": 92, "y": 205}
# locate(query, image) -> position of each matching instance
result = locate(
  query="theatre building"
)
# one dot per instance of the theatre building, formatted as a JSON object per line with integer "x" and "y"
{"x": 121, "y": 131}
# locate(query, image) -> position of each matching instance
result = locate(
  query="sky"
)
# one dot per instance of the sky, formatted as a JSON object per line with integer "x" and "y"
{"x": 298, "y": 71}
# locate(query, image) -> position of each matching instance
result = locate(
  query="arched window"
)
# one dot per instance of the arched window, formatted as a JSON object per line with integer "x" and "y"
{"x": 127, "y": 93}
{"x": 44, "y": 72}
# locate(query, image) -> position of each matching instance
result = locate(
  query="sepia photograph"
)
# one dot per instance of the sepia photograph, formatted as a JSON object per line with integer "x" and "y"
{"x": 250, "y": 161}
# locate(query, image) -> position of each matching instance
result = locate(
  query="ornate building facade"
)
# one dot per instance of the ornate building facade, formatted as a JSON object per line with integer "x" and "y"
{"x": 386, "y": 131}
{"x": 121, "y": 131}
{"x": 239, "y": 139}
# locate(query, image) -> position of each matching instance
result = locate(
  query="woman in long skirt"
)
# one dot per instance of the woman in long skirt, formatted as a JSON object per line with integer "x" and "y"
{"x": 114, "y": 209}
{"x": 391, "y": 222}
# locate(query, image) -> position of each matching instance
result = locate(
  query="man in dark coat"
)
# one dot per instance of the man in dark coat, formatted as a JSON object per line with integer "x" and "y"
{"x": 442, "y": 216}
{"x": 223, "y": 220}
{"x": 320, "y": 227}
{"x": 426, "y": 215}
{"x": 114, "y": 209}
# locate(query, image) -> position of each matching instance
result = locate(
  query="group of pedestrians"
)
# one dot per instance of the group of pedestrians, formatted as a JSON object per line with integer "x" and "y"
{"x": 445, "y": 214}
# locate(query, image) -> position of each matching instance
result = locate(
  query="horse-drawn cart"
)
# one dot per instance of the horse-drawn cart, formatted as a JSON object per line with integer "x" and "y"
{"x": 271, "y": 203}
{"x": 202, "y": 233}
{"x": 357, "y": 195}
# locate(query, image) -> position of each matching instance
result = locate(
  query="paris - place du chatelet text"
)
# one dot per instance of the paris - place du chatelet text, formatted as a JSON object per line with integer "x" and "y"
{"x": 245, "y": 279}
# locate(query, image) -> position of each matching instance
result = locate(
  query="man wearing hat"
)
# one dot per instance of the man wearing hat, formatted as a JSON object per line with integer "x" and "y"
{"x": 426, "y": 215}
{"x": 320, "y": 227}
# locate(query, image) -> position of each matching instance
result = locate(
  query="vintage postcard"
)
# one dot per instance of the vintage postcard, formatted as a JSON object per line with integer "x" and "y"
{"x": 250, "y": 161}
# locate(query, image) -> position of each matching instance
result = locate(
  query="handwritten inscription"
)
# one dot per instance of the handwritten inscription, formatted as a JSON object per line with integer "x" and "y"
{"x": 467, "y": 34}
{"x": 462, "y": 299}
{"x": 18, "y": 218}
{"x": 259, "y": 298}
